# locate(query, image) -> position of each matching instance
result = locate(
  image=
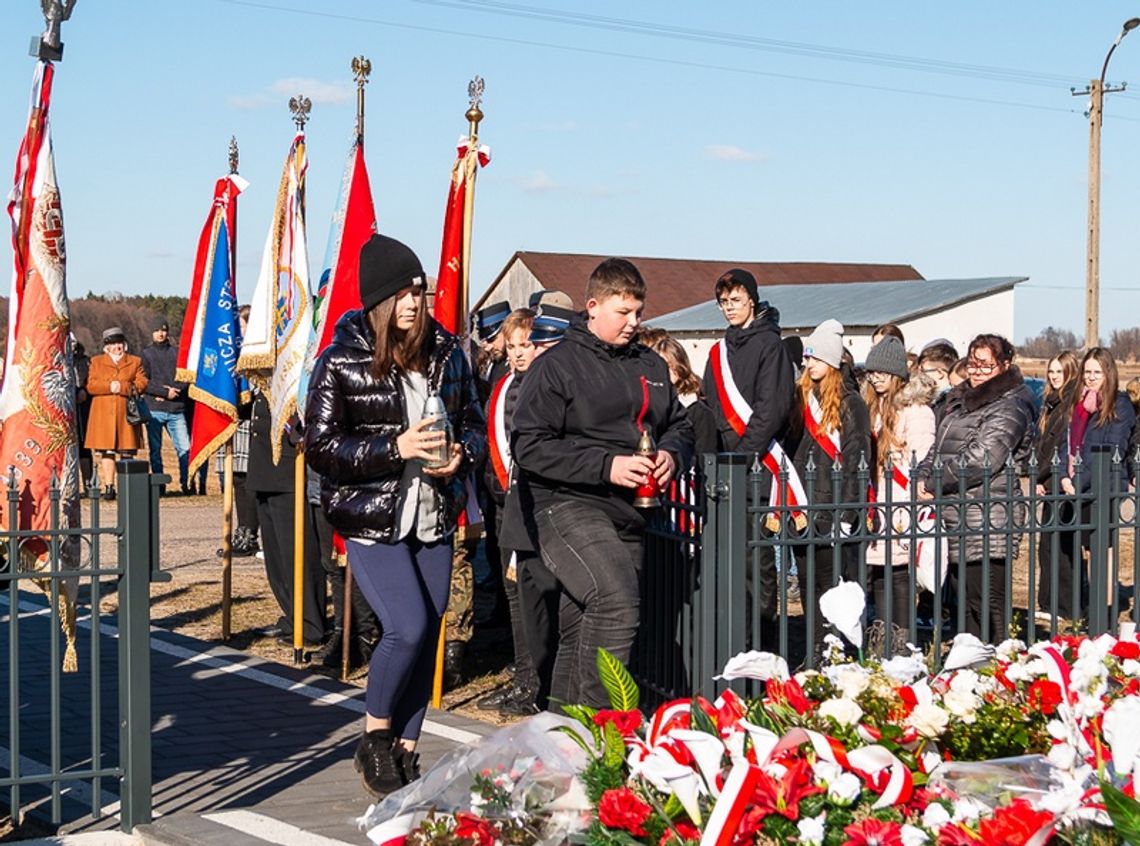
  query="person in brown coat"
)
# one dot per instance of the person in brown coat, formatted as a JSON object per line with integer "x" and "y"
{"x": 110, "y": 380}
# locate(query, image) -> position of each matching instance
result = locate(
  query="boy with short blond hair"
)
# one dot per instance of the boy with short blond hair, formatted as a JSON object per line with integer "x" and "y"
{"x": 578, "y": 420}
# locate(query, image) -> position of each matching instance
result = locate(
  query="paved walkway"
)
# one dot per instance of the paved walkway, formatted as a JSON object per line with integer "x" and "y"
{"x": 246, "y": 752}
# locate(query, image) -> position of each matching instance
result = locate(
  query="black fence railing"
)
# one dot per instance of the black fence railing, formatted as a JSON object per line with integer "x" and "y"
{"x": 728, "y": 570}
{"x": 61, "y": 721}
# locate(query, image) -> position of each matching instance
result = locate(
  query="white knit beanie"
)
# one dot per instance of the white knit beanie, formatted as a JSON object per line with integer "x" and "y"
{"x": 826, "y": 343}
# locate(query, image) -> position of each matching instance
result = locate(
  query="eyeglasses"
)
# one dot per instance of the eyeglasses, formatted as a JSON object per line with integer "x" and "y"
{"x": 934, "y": 372}
{"x": 731, "y": 303}
{"x": 1093, "y": 374}
{"x": 981, "y": 366}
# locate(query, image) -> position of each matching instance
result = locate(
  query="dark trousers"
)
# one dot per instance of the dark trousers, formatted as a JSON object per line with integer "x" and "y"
{"x": 407, "y": 585}
{"x": 899, "y": 589}
{"x": 1068, "y": 544}
{"x": 245, "y": 504}
{"x": 983, "y": 620}
{"x": 363, "y": 618}
{"x": 599, "y": 572}
{"x": 539, "y": 598}
{"x": 275, "y": 514}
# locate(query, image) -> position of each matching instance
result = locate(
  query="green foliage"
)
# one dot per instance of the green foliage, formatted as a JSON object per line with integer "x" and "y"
{"x": 1124, "y": 812}
{"x": 700, "y": 721}
{"x": 615, "y": 746}
{"x": 598, "y": 777}
{"x": 585, "y": 715}
{"x": 577, "y": 738}
{"x": 599, "y": 835}
{"x": 673, "y": 807}
{"x": 619, "y": 684}
{"x": 1001, "y": 730}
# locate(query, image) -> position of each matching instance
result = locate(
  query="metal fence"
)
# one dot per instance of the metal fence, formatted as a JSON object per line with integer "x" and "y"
{"x": 59, "y": 726}
{"x": 726, "y": 570}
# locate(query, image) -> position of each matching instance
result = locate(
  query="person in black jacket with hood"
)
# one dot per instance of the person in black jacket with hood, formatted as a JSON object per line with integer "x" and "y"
{"x": 367, "y": 436}
{"x": 749, "y": 383}
{"x": 580, "y": 415}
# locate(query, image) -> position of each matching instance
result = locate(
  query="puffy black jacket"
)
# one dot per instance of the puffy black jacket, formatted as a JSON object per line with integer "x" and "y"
{"x": 854, "y": 448}
{"x": 765, "y": 378}
{"x": 352, "y": 420}
{"x": 994, "y": 421}
{"x": 577, "y": 411}
{"x": 1056, "y": 415}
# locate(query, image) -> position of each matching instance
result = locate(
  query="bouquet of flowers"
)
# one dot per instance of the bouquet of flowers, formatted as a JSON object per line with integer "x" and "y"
{"x": 1005, "y": 745}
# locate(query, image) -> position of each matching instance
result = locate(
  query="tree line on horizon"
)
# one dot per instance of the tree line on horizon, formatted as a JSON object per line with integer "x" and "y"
{"x": 1124, "y": 344}
{"x": 137, "y": 316}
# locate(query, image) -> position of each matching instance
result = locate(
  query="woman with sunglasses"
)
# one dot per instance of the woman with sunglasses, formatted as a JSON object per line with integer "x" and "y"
{"x": 989, "y": 418}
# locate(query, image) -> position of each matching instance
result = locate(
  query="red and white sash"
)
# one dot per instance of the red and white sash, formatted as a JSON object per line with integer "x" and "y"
{"x": 738, "y": 412}
{"x": 497, "y": 440}
{"x": 828, "y": 439}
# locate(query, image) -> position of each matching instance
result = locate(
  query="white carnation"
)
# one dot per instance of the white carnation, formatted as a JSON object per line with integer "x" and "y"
{"x": 962, "y": 705}
{"x": 825, "y": 772}
{"x": 968, "y": 810}
{"x": 812, "y": 830}
{"x": 935, "y": 816}
{"x": 849, "y": 679}
{"x": 1062, "y": 756}
{"x": 913, "y": 836}
{"x": 1007, "y": 649}
{"x": 905, "y": 668}
{"x": 964, "y": 681}
{"x": 928, "y": 720}
{"x": 845, "y": 789}
{"x": 1130, "y": 667}
{"x": 844, "y": 711}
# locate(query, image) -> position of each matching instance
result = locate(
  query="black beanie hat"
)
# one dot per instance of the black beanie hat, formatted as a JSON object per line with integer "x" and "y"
{"x": 738, "y": 277}
{"x": 386, "y": 268}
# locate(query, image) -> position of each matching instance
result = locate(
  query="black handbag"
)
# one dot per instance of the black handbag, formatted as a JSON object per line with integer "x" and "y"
{"x": 137, "y": 411}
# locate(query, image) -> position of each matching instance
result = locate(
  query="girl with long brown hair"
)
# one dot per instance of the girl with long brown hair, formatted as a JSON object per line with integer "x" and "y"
{"x": 688, "y": 387}
{"x": 392, "y": 485}
{"x": 829, "y": 425}
{"x": 902, "y": 427}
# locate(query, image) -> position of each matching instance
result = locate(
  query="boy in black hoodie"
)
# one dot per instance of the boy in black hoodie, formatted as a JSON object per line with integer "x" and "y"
{"x": 577, "y": 423}
{"x": 750, "y": 385}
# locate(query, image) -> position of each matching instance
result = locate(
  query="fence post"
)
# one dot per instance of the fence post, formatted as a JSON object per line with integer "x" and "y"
{"x": 1101, "y": 515}
{"x": 134, "y": 642}
{"x": 732, "y": 599}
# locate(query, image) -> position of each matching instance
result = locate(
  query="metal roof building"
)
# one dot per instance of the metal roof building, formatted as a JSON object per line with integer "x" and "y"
{"x": 955, "y": 309}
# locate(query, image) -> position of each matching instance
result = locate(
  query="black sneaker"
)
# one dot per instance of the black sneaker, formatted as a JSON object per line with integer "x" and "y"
{"x": 520, "y": 702}
{"x": 495, "y": 699}
{"x": 375, "y": 760}
{"x": 330, "y": 652}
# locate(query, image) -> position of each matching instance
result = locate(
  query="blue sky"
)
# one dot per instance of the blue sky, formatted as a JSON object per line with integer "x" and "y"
{"x": 810, "y": 131}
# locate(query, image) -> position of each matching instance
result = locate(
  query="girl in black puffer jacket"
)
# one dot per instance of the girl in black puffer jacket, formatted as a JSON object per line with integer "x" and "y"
{"x": 830, "y": 422}
{"x": 988, "y": 419}
{"x": 366, "y": 436}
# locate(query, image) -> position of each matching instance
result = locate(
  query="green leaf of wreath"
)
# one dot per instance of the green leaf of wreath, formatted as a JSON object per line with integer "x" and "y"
{"x": 1124, "y": 813}
{"x": 585, "y": 715}
{"x": 615, "y": 746}
{"x": 619, "y": 684}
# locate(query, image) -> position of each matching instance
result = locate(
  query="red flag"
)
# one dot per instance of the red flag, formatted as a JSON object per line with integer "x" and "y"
{"x": 451, "y": 282}
{"x": 354, "y": 222}
{"x": 38, "y": 443}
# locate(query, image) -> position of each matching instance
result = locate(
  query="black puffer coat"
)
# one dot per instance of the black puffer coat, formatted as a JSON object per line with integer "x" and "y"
{"x": 353, "y": 418}
{"x": 1053, "y": 439}
{"x": 993, "y": 421}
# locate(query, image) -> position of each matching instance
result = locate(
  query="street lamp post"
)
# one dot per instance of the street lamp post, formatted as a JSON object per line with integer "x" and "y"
{"x": 1096, "y": 92}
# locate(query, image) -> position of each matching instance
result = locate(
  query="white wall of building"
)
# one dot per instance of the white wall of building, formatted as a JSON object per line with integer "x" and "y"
{"x": 515, "y": 286}
{"x": 958, "y": 324}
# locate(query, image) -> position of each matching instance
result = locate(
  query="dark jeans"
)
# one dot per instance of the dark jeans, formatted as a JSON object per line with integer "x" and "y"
{"x": 899, "y": 589}
{"x": 983, "y": 621}
{"x": 407, "y": 584}
{"x": 275, "y": 512}
{"x": 1068, "y": 554}
{"x": 538, "y": 598}
{"x": 245, "y": 504}
{"x": 598, "y": 571}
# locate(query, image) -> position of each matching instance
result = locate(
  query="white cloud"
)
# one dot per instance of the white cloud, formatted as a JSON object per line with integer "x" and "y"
{"x": 538, "y": 182}
{"x": 731, "y": 153}
{"x": 279, "y": 92}
{"x": 325, "y": 93}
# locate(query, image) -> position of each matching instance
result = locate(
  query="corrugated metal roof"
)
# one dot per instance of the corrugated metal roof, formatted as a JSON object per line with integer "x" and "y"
{"x": 678, "y": 283}
{"x": 855, "y": 304}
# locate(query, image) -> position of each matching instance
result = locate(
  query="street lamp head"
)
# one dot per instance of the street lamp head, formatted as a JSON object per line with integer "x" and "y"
{"x": 1130, "y": 25}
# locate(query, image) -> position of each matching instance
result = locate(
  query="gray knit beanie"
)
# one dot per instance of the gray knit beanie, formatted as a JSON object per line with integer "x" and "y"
{"x": 826, "y": 343}
{"x": 888, "y": 356}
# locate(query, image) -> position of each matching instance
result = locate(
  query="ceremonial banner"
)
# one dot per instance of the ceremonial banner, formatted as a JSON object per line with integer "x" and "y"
{"x": 338, "y": 291}
{"x": 38, "y": 441}
{"x": 450, "y": 288}
{"x": 277, "y": 334}
{"x": 211, "y": 334}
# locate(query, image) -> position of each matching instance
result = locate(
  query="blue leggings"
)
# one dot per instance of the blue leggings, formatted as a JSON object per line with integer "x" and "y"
{"x": 407, "y": 585}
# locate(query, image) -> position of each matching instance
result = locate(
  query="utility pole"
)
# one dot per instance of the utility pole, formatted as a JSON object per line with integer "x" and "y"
{"x": 1095, "y": 92}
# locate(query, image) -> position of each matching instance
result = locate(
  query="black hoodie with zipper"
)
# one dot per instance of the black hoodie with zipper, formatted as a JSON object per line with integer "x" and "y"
{"x": 578, "y": 409}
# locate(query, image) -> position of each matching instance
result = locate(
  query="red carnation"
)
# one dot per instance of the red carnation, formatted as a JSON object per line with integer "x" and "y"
{"x": 1125, "y": 650}
{"x": 622, "y": 808}
{"x": 787, "y": 693}
{"x": 872, "y": 832}
{"x": 955, "y": 834}
{"x": 1014, "y": 825}
{"x": 1045, "y": 696}
{"x": 476, "y": 829}
{"x": 626, "y": 722}
{"x": 687, "y": 831}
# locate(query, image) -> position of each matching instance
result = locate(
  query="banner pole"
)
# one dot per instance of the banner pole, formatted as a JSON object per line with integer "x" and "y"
{"x": 299, "y": 558}
{"x": 346, "y": 623}
{"x": 227, "y": 537}
{"x": 474, "y": 115}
